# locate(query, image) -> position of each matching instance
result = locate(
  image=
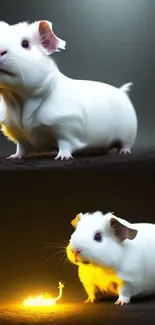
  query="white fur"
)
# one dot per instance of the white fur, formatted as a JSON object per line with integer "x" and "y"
{"x": 54, "y": 111}
{"x": 132, "y": 260}
{"x": 127, "y": 87}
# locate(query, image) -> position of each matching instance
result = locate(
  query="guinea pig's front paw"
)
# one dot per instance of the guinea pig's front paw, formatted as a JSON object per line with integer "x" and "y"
{"x": 124, "y": 151}
{"x": 90, "y": 300}
{"x": 17, "y": 155}
{"x": 20, "y": 152}
{"x": 63, "y": 155}
{"x": 122, "y": 301}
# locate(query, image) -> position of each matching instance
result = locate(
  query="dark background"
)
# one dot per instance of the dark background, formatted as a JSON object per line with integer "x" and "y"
{"x": 110, "y": 41}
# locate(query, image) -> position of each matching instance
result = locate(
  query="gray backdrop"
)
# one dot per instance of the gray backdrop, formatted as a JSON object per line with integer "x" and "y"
{"x": 107, "y": 40}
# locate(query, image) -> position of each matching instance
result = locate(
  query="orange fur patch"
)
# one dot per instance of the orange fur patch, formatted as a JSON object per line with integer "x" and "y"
{"x": 75, "y": 220}
{"x": 8, "y": 133}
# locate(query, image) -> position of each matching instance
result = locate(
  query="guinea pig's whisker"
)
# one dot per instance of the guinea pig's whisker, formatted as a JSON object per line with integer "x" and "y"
{"x": 65, "y": 261}
{"x": 47, "y": 247}
{"x": 53, "y": 243}
{"x": 54, "y": 246}
{"x": 65, "y": 241}
{"x": 68, "y": 261}
{"x": 52, "y": 255}
{"x": 63, "y": 257}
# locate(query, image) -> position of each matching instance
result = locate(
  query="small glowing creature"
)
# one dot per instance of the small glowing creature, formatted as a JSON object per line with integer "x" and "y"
{"x": 43, "y": 300}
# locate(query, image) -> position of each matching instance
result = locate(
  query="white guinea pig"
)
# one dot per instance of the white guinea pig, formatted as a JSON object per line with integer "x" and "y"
{"x": 42, "y": 109}
{"x": 97, "y": 281}
{"x": 128, "y": 249}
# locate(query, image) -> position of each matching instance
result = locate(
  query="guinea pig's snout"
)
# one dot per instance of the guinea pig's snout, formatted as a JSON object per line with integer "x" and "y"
{"x": 76, "y": 252}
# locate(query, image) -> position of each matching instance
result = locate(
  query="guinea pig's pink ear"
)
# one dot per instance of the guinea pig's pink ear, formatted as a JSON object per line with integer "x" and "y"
{"x": 122, "y": 232}
{"x": 49, "y": 41}
{"x": 75, "y": 221}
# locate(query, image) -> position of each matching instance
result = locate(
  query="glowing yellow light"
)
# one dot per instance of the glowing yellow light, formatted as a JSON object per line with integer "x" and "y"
{"x": 43, "y": 300}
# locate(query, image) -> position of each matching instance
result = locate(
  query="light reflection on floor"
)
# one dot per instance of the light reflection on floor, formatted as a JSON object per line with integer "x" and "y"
{"x": 19, "y": 313}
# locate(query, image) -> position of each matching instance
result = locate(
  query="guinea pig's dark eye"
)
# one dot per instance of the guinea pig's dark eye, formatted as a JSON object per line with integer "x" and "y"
{"x": 98, "y": 237}
{"x": 25, "y": 44}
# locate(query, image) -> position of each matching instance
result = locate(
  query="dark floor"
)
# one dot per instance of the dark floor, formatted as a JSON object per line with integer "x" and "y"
{"x": 140, "y": 159}
{"x": 101, "y": 313}
{"x": 109, "y": 162}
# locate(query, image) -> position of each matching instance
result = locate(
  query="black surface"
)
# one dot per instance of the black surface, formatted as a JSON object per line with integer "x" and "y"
{"x": 109, "y": 162}
{"x": 101, "y": 313}
{"x": 140, "y": 159}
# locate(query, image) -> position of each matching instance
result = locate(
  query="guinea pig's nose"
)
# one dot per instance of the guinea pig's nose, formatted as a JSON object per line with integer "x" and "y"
{"x": 3, "y": 52}
{"x": 76, "y": 251}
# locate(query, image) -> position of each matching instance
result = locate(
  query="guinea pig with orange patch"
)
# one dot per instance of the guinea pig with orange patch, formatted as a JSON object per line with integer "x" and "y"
{"x": 97, "y": 281}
